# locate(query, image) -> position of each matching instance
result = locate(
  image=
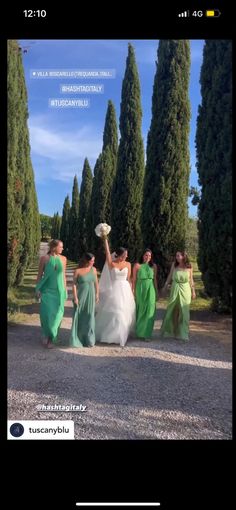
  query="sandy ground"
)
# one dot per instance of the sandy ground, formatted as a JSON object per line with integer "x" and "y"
{"x": 162, "y": 389}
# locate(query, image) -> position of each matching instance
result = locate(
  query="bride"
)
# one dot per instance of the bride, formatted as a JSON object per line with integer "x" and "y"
{"x": 115, "y": 314}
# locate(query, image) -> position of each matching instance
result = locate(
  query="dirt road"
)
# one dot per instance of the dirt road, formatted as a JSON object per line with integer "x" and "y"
{"x": 162, "y": 389}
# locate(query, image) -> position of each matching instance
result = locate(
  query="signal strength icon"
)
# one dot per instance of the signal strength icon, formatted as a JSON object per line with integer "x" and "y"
{"x": 184, "y": 14}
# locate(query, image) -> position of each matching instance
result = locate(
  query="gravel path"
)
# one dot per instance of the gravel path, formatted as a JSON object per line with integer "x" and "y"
{"x": 163, "y": 389}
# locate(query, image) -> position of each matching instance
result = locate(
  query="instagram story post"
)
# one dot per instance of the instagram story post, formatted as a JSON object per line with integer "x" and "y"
{"x": 119, "y": 242}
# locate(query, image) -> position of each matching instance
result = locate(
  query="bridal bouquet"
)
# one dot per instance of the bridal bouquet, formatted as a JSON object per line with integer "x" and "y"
{"x": 102, "y": 230}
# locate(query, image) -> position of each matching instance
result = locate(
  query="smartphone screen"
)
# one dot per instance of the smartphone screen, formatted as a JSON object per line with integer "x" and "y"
{"x": 119, "y": 254}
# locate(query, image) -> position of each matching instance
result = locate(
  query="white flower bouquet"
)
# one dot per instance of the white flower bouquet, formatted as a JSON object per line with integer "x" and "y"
{"x": 102, "y": 230}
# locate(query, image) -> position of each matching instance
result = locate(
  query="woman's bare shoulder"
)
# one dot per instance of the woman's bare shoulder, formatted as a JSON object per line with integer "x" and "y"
{"x": 44, "y": 258}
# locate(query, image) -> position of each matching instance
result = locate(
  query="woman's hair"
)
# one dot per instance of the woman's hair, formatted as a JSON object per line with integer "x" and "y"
{"x": 86, "y": 257}
{"x": 120, "y": 251}
{"x": 151, "y": 262}
{"x": 185, "y": 261}
{"x": 53, "y": 244}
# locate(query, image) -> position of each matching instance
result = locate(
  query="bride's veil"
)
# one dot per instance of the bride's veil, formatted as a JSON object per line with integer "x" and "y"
{"x": 105, "y": 282}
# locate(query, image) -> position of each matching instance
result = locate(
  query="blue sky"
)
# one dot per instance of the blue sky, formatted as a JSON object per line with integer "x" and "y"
{"x": 61, "y": 138}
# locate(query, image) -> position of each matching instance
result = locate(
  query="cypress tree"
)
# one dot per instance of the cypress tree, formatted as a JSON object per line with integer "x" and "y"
{"x": 31, "y": 219}
{"x": 46, "y": 226}
{"x": 104, "y": 174}
{"x": 23, "y": 216}
{"x": 94, "y": 195}
{"x": 56, "y": 226}
{"x": 92, "y": 215}
{"x": 128, "y": 184}
{"x": 106, "y": 168}
{"x": 37, "y": 225}
{"x": 166, "y": 184}
{"x": 84, "y": 205}
{"x": 15, "y": 192}
{"x": 73, "y": 222}
{"x": 214, "y": 149}
{"x": 65, "y": 225}
{"x": 110, "y": 135}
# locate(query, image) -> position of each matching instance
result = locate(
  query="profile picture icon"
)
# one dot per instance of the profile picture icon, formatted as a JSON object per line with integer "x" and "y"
{"x": 17, "y": 430}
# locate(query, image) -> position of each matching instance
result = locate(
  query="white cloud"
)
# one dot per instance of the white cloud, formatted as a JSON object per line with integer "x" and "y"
{"x": 55, "y": 144}
{"x": 62, "y": 150}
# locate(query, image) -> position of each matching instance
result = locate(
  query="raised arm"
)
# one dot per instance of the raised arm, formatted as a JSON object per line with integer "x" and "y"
{"x": 108, "y": 253}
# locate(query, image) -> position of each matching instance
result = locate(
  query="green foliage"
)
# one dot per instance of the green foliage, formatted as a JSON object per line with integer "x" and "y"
{"x": 65, "y": 226}
{"x": 93, "y": 217}
{"x": 23, "y": 216}
{"x": 84, "y": 205}
{"x": 56, "y": 226}
{"x": 73, "y": 221}
{"x": 195, "y": 193}
{"x": 106, "y": 168}
{"x": 104, "y": 174}
{"x": 46, "y": 226}
{"x": 192, "y": 238}
{"x": 127, "y": 191}
{"x": 37, "y": 225}
{"x": 214, "y": 152}
{"x": 110, "y": 135}
{"x": 166, "y": 187}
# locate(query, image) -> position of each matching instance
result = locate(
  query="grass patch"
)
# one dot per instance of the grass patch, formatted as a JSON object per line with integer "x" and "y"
{"x": 202, "y": 302}
{"x": 20, "y": 296}
{"x": 24, "y": 294}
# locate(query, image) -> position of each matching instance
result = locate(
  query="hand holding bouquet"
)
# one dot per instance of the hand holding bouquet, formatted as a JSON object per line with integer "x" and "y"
{"x": 102, "y": 230}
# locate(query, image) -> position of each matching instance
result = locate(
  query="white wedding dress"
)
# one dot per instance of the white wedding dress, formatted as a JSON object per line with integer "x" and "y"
{"x": 115, "y": 312}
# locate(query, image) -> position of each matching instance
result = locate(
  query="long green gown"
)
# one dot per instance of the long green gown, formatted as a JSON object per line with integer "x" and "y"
{"x": 145, "y": 297}
{"x": 53, "y": 296}
{"x": 180, "y": 297}
{"x": 83, "y": 326}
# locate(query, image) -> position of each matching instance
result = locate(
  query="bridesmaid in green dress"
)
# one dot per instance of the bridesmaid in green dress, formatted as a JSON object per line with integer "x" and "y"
{"x": 145, "y": 291}
{"x": 86, "y": 292}
{"x": 51, "y": 289}
{"x": 176, "y": 320}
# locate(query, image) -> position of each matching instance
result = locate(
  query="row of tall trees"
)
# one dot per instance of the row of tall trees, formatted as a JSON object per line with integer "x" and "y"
{"x": 92, "y": 204}
{"x": 24, "y": 231}
{"x": 146, "y": 206}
